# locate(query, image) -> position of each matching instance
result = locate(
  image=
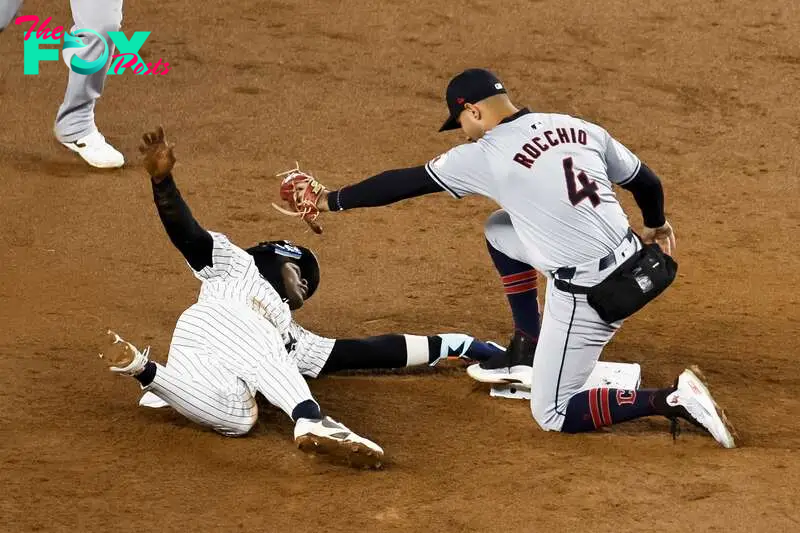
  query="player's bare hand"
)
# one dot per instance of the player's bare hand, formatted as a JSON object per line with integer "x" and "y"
{"x": 663, "y": 236}
{"x": 158, "y": 154}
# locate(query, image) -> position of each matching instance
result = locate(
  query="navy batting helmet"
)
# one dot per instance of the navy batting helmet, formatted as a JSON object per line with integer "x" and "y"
{"x": 270, "y": 255}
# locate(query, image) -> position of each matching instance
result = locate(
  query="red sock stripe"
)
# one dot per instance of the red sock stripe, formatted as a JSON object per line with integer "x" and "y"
{"x": 522, "y": 276}
{"x": 520, "y": 282}
{"x": 605, "y": 408}
{"x": 522, "y": 287}
{"x": 594, "y": 409}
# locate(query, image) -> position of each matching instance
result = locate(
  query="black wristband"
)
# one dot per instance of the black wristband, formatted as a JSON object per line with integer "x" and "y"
{"x": 334, "y": 200}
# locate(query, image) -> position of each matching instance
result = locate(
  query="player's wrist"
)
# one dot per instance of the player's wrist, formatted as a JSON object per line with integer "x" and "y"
{"x": 322, "y": 201}
{"x": 159, "y": 179}
{"x": 656, "y": 225}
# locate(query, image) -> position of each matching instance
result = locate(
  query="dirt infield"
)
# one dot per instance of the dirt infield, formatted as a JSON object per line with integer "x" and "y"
{"x": 705, "y": 92}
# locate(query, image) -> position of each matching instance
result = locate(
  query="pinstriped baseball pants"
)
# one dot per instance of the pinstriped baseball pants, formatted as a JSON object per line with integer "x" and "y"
{"x": 221, "y": 354}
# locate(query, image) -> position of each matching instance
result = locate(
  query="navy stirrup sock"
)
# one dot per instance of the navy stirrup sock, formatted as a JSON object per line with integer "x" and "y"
{"x": 519, "y": 282}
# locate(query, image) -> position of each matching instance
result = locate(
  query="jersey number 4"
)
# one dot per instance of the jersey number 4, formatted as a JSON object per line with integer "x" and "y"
{"x": 588, "y": 187}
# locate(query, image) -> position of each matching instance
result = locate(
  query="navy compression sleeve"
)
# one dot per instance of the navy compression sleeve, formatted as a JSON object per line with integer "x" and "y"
{"x": 649, "y": 196}
{"x": 385, "y": 188}
{"x": 195, "y": 243}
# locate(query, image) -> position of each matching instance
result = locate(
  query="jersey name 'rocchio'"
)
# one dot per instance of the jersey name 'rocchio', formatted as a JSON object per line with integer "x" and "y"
{"x": 541, "y": 144}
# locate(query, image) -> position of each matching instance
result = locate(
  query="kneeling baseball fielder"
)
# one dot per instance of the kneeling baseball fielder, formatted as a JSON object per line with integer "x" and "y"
{"x": 554, "y": 177}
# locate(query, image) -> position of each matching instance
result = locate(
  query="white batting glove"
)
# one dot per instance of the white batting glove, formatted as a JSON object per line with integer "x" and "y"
{"x": 124, "y": 357}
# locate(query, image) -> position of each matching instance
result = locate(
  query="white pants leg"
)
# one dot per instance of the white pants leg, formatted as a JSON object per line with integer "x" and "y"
{"x": 572, "y": 335}
{"x": 218, "y": 400}
{"x": 8, "y": 12}
{"x": 219, "y": 357}
{"x": 75, "y": 118}
{"x": 249, "y": 347}
{"x": 570, "y": 343}
{"x": 500, "y": 233}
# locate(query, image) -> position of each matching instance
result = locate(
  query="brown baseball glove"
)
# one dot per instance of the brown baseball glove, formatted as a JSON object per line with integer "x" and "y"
{"x": 301, "y": 192}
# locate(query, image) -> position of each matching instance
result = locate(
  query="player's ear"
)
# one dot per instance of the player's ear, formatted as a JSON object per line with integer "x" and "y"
{"x": 474, "y": 110}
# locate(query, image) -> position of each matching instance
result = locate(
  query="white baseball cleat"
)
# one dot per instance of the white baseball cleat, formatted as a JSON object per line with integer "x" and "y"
{"x": 125, "y": 357}
{"x": 96, "y": 151}
{"x": 328, "y": 437}
{"x": 692, "y": 394}
{"x": 500, "y": 375}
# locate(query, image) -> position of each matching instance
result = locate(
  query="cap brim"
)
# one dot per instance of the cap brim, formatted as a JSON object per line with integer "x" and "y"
{"x": 450, "y": 124}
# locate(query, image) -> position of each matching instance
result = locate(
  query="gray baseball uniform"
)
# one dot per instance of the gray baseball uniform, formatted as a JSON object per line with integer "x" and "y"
{"x": 8, "y": 11}
{"x": 552, "y": 175}
{"x": 75, "y": 117}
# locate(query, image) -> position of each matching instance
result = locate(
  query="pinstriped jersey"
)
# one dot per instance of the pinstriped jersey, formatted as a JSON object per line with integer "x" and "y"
{"x": 234, "y": 277}
{"x": 238, "y": 295}
{"x": 553, "y": 175}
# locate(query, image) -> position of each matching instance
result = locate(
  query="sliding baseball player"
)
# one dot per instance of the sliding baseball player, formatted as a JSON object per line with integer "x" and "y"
{"x": 239, "y": 337}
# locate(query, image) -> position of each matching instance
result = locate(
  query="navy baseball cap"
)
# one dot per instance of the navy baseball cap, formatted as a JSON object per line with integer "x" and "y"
{"x": 469, "y": 87}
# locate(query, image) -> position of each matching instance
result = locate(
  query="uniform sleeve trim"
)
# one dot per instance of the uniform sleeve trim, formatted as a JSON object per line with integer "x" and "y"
{"x": 441, "y": 183}
{"x": 633, "y": 174}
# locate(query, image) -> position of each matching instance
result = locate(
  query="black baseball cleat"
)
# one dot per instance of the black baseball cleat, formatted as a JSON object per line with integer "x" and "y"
{"x": 514, "y": 365}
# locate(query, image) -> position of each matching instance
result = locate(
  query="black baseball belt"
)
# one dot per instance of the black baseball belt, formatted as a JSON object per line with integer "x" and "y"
{"x": 564, "y": 274}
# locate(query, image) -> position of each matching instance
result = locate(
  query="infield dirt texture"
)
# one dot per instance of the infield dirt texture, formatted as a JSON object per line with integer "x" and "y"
{"x": 706, "y": 94}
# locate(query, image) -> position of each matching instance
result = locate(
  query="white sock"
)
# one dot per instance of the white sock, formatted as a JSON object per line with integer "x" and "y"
{"x": 416, "y": 350}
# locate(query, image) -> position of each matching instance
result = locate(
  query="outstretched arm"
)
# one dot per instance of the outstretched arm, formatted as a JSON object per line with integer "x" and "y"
{"x": 306, "y": 198}
{"x": 383, "y": 189}
{"x": 188, "y": 236}
{"x": 461, "y": 171}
